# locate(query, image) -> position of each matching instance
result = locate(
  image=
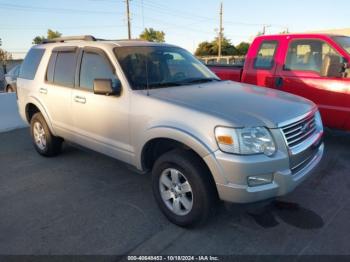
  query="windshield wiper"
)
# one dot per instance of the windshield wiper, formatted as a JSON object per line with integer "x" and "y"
{"x": 164, "y": 84}
{"x": 199, "y": 80}
{"x": 181, "y": 83}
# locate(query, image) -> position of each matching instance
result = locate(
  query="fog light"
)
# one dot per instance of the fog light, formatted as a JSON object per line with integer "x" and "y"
{"x": 261, "y": 180}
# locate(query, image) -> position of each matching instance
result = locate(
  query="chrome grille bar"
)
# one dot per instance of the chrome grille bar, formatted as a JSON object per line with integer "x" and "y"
{"x": 298, "y": 132}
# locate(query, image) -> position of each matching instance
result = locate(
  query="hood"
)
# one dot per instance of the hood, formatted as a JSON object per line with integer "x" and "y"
{"x": 242, "y": 104}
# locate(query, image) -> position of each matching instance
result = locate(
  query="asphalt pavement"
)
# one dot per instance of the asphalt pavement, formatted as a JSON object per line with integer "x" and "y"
{"x": 82, "y": 202}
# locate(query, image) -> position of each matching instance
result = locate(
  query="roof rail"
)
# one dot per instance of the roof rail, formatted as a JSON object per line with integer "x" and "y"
{"x": 69, "y": 38}
{"x": 123, "y": 39}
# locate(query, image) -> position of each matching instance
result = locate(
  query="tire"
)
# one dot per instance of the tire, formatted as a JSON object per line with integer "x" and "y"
{"x": 44, "y": 142}
{"x": 180, "y": 206}
{"x": 9, "y": 89}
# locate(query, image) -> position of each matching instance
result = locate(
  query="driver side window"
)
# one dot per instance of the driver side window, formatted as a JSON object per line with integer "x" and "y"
{"x": 95, "y": 66}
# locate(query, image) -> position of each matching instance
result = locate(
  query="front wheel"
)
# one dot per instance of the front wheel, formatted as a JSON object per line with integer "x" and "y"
{"x": 44, "y": 141}
{"x": 183, "y": 188}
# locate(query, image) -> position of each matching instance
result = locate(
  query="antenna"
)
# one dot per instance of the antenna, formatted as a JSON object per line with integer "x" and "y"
{"x": 147, "y": 82}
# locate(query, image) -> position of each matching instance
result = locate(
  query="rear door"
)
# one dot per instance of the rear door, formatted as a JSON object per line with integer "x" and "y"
{"x": 261, "y": 65}
{"x": 306, "y": 73}
{"x": 57, "y": 89}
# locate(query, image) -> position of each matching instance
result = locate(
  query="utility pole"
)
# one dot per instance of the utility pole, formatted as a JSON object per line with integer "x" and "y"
{"x": 128, "y": 18}
{"x": 220, "y": 33}
{"x": 264, "y": 29}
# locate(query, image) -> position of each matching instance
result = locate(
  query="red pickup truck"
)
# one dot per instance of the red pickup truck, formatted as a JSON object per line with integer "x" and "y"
{"x": 315, "y": 66}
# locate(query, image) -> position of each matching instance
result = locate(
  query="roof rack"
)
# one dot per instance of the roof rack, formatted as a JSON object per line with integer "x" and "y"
{"x": 83, "y": 38}
{"x": 125, "y": 39}
{"x": 69, "y": 38}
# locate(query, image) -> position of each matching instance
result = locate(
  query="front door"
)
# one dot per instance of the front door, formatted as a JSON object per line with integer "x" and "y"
{"x": 308, "y": 72}
{"x": 100, "y": 121}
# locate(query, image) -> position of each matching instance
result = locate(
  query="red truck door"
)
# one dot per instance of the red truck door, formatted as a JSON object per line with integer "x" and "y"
{"x": 307, "y": 71}
{"x": 260, "y": 65}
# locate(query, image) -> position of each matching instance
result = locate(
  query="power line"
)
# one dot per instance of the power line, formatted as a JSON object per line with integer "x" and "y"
{"x": 38, "y": 27}
{"x": 187, "y": 15}
{"x": 31, "y": 8}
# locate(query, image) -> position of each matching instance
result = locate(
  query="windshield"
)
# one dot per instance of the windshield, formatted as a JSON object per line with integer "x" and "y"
{"x": 344, "y": 41}
{"x": 161, "y": 66}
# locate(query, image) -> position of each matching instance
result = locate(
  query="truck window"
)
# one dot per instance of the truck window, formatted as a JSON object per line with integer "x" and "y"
{"x": 31, "y": 63}
{"x": 266, "y": 55}
{"x": 311, "y": 55}
{"x": 344, "y": 41}
{"x": 94, "y": 66}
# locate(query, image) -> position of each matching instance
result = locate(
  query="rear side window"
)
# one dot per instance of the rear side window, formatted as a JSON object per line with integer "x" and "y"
{"x": 62, "y": 67}
{"x": 266, "y": 55}
{"x": 95, "y": 66}
{"x": 31, "y": 63}
{"x": 64, "y": 73}
{"x": 51, "y": 67}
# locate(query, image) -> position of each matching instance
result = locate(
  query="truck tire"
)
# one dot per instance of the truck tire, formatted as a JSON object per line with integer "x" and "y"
{"x": 183, "y": 188}
{"x": 44, "y": 142}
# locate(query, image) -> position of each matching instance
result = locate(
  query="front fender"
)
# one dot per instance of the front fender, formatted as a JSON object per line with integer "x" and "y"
{"x": 197, "y": 144}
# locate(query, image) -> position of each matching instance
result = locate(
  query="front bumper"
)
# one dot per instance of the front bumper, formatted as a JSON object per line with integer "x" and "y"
{"x": 233, "y": 188}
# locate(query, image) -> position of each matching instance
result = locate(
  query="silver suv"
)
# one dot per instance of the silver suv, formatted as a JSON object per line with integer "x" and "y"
{"x": 156, "y": 107}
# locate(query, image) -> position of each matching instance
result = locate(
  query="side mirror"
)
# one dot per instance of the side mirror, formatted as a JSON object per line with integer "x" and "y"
{"x": 107, "y": 87}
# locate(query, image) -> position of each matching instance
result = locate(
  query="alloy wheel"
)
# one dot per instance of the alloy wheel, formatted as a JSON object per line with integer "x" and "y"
{"x": 176, "y": 191}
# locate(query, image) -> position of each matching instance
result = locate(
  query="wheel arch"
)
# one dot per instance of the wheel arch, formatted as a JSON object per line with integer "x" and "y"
{"x": 34, "y": 106}
{"x": 160, "y": 140}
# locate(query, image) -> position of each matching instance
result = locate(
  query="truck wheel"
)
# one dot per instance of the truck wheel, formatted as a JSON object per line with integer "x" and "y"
{"x": 183, "y": 188}
{"x": 44, "y": 142}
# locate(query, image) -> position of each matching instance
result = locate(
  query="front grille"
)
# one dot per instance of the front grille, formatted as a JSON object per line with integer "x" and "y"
{"x": 300, "y": 131}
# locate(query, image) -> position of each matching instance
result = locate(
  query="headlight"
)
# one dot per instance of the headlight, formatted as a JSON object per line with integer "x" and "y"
{"x": 318, "y": 121}
{"x": 245, "y": 141}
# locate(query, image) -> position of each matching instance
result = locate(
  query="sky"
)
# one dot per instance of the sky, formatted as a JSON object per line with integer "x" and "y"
{"x": 186, "y": 23}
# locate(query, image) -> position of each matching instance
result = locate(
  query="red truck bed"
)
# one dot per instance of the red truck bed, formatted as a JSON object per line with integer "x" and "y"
{"x": 228, "y": 72}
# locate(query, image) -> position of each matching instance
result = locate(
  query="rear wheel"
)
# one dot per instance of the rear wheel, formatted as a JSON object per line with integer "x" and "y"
{"x": 44, "y": 141}
{"x": 183, "y": 188}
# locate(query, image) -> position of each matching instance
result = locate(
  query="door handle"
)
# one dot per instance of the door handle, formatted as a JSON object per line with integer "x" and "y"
{"x": 80, "y": 99}
{"x": 43, "y": 90}
{"x": 279, "y": 82}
